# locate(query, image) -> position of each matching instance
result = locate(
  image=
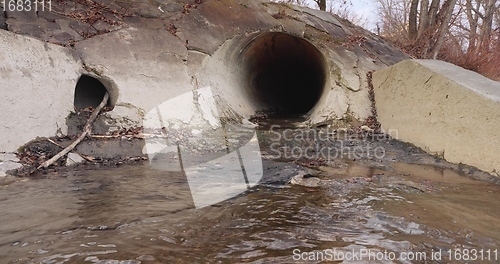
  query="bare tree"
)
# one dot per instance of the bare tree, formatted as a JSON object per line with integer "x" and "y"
{"x": 424, "y": 17}
{"x": 444, "y": 18}
{"x": 412, "y": 19}
{"x": 478, "y": 24}
{"x": 486, "y": 27}
{"x": 321, "y": 4}
{"x": 423, "y": 26}
{"x": 393, "y": 16}
{"x": 344, "y": 9}
{"x": 465, "y": 32}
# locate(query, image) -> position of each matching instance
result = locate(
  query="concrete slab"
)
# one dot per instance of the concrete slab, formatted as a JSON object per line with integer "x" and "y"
{"x": 7, "y": 166}
{"x": 26, "y": 28}
{"x": 142, "y": 62}
{"x": 319, "y": 24}
{"x": 325, "y": 17}
{"x": 8, "y": 157}
{"x": 470, "y": 80}
{"x": 382, "y": 51}
{"x": 28, "y": 16}
{"x": 38, "y": 87}
{"x": 443, "y": 109}
{"x": 218, "y": 21}
{"x": 74, "y": 159}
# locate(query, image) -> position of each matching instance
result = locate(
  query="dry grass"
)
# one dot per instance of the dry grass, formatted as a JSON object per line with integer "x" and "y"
{"x": 486, "y": 62}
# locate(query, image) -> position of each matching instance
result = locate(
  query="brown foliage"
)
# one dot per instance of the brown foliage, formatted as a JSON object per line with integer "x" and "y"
{"x": 485, "y": 62}
{"x": 95, "y": 11}
{"x": 462, "y": 32}
{"x": 281, "y": 14}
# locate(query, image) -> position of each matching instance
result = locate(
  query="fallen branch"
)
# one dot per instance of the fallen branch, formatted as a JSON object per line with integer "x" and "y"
{"x": 53, "y": 142}
{"x": 105, "y": 136}
{"x": 86, "y": 131}
{"x": 138, "y": 136}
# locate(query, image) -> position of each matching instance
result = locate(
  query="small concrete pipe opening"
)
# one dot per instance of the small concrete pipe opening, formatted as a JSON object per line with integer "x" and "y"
{"x": 283, "y": 74}
{"x": 89, "y": 92}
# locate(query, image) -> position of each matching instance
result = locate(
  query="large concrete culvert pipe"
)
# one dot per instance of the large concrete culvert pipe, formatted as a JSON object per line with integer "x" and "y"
{"x": 283, "y": 73}
{"x": 271, "y": 72}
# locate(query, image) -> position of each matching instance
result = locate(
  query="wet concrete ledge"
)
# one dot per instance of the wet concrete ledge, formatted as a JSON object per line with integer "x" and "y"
{"x": 444, "y": 109}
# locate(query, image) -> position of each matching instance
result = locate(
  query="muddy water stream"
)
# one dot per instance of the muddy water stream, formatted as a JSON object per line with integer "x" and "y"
{"x": 135, "y": 214}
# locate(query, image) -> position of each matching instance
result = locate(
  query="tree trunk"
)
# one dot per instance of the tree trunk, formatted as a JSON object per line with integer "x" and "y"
{"x": 484, "y": 37}
{"x": 321, "y": 4}
{"x": 412, "y": 20}
{"x": 447, "y": 8}
{"x": 424, "y": 17}
{"x": 427, "y": 35}
{"x": 433, "y": 11}
{"x": 473, "y": 24}
{"x": 86, "y": 131}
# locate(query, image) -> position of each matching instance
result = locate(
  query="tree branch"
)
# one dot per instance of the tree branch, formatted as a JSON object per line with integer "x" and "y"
{"x": 86, "y": 131}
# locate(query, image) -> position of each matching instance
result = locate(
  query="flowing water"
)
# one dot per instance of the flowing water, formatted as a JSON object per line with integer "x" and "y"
{"x": 360, "y": 212}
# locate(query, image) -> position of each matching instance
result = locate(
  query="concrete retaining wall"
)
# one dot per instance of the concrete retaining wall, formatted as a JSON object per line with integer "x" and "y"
{"x": 37, "y": 85}
{"x": 443, "y": 109}
{"x": 218, "y": 44}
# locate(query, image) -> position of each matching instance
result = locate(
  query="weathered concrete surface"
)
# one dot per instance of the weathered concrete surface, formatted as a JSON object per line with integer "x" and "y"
{"x": 146, "y": 53}
{"x": 148, "y": 66}
{"x": 74, "y": 159}
{"x": 37, "y": 89}
{"x": 8, "y": 161}
{"x": 442, "y": 108}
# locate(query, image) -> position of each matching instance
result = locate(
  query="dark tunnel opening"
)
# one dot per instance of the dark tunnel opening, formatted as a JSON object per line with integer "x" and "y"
{"x": 286, "y": 75}
{"x": 89, "y": 92}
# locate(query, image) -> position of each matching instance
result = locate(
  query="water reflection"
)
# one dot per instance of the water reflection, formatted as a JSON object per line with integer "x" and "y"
{"x": 134, "y": 214}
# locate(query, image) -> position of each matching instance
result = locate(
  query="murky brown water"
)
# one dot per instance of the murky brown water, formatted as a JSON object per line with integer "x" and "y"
{"x": 134, "y": 214}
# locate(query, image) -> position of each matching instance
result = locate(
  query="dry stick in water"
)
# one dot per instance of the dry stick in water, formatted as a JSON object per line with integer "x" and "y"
{"x": 86, "y": 131}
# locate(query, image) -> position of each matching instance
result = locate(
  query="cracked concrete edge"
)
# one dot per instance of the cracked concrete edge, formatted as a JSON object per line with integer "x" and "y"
{"x": 309, "y": 12}
{"x": 324, "y": 16}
